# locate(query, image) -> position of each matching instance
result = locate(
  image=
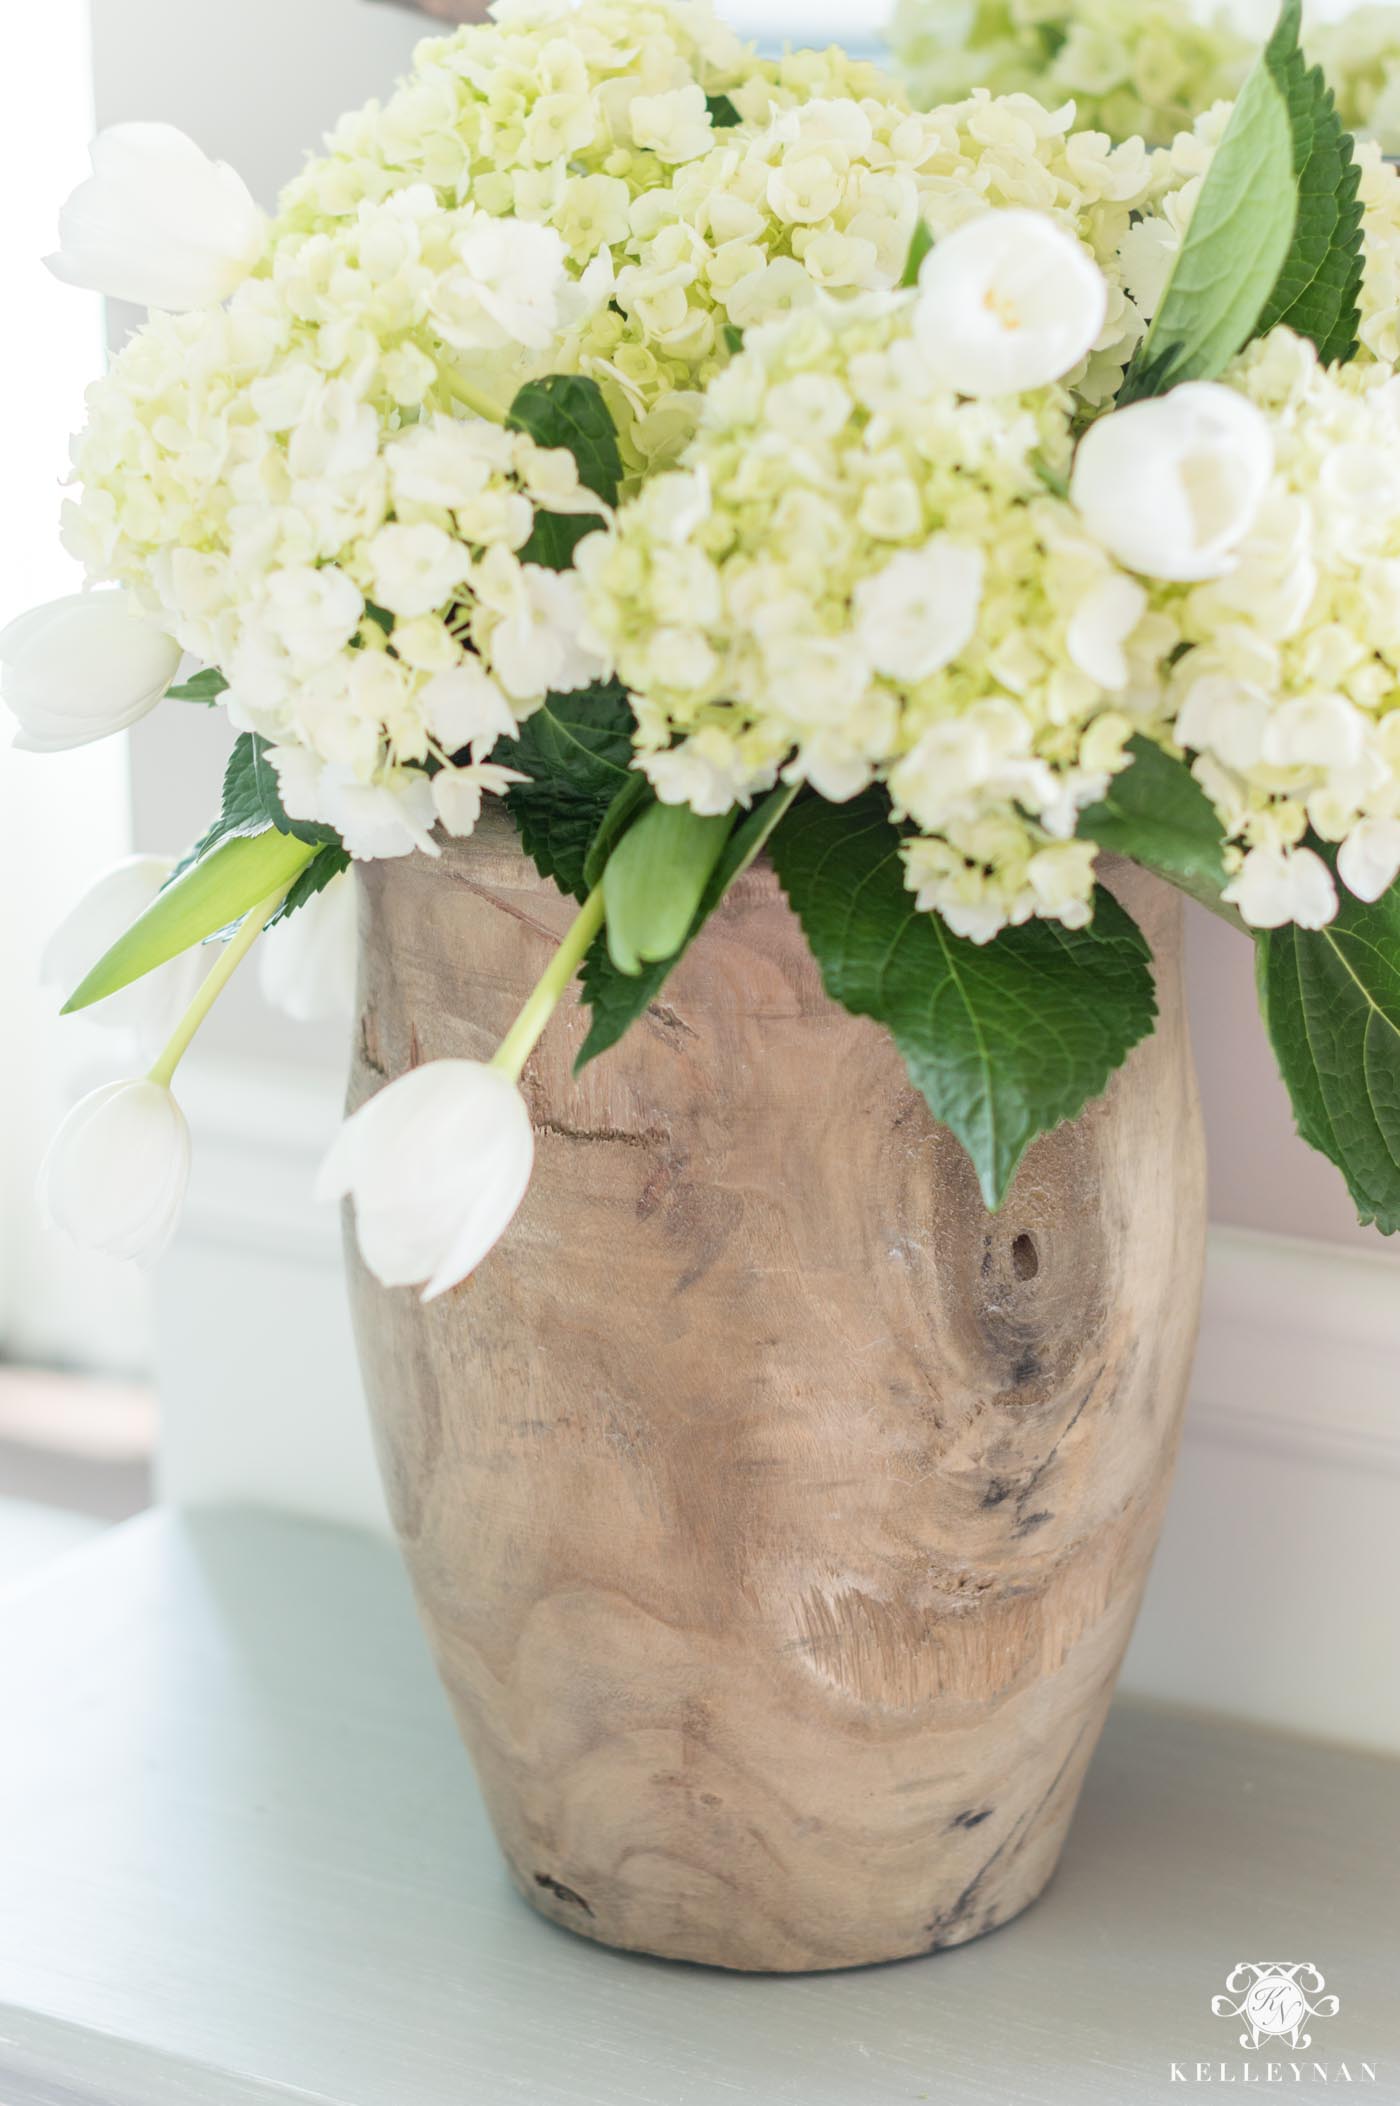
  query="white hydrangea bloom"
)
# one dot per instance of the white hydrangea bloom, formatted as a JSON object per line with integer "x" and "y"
{"x": 1289, "y": 696}
{"x": 297, "y": 488}
{"x": 882, "y": 586}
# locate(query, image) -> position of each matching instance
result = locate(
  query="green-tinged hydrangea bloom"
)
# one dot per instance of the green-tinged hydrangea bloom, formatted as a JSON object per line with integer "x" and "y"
{"x": 1134, "y": 68}
{"x": 859, "y": 575}
{"x": 856, "y": 576}
{"x": 1290, "y": 693}
{"x": 560, "y": 190}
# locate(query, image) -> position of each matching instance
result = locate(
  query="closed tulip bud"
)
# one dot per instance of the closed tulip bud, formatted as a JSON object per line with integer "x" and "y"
{"x": 1171, "y": 487}
{"x": 158, "y": 223}
{"x": 437, "y": 1164}
{"x": 150, "y": 1007}
{"x": 1008, "y": 301}
{"x": 115, "y": 1175}
{"x": 80, "y": 668}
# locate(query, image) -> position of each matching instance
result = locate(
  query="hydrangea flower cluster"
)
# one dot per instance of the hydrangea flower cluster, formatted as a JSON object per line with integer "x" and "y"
{"x": 1135, "y": 68}
{"x": 284, "y": 480}
{"x": 823, "y": 197}
{"x": 862, "y": 574}
{"x": 1290, "y": 693}
{"x": 296, "y": 486}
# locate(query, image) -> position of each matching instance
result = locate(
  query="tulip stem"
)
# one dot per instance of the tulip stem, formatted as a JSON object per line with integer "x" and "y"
{"x": 213, "y": 985}
{"x": 525, "y": 1033}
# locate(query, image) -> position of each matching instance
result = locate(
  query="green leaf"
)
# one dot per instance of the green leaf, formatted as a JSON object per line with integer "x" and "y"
{"x": 555, "y": 536}
{"x": 203, "y": 687}
{"x": 1318, "y": 292}
{"x": 567, "y": 409}
{"x": 636, "y": 793}
{"x": 723, "y": 114}
{"x": 251, "y": 802}
{"x": 733, "y": 337}
{"x": 1003, "y": 1041}
{"x": 577, "y": 752}
{"x": 654, "y": 882}
{"x": 920, "y": 246}
{"x": 1157, "y": 814}
{"x": 616, "y": 999}
{"x": 326, "y": 865}
{"x": 1239, "y": 238}
{"x": 218, "y": 890}
{"x": 1331, "y": 1002}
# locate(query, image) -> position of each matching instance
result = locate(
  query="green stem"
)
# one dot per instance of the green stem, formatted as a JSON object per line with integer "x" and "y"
{"x": 213, "y": 985}
{"x": 524, "y": 1034}
{"x": 473, "y": 398}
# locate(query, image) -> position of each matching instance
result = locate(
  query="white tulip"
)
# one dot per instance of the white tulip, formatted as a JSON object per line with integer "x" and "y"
{"x": 1172, "y": 487}
{"x": 1280, "y": 885}
{"x": 437, "y": 1164}
{"x": 158, "y": 222}
{"x": 151, "y": 1007}
{"x": 115, "y": 1175}
{"x": 80, "y": 668}
{"x": 1369, "y": 858}
{"x": 306, "y": 964}
{"x": 1008, "y": 301}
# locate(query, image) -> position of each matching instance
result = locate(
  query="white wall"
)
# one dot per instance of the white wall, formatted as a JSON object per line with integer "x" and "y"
{"x": 62, "y": 819}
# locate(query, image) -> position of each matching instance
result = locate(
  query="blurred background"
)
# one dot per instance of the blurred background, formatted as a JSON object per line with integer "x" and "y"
{"x": 230, "y": 1375}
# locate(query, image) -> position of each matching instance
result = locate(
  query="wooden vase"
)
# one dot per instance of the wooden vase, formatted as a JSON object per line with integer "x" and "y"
{"x": 777, "y": 1515}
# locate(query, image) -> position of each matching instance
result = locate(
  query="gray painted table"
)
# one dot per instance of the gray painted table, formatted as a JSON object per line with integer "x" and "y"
{"x": 242, "y": 1862}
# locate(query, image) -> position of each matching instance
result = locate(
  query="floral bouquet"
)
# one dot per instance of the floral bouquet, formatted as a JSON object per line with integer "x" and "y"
{"x": 1137, "y": 68}
{"x": 710, "y": 457}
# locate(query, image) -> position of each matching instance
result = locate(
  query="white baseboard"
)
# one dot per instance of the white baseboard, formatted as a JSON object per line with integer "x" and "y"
{"x": 1300, "y": 1350}
{"x": 1275, "y": 1594}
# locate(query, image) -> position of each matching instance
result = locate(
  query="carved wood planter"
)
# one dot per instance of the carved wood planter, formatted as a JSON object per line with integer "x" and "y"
{"x": 778, "y": 1516}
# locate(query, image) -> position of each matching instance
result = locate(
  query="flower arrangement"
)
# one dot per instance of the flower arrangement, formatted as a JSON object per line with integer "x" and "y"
{"x": 709, "y": 456}
{"x": 1136, "y": 68}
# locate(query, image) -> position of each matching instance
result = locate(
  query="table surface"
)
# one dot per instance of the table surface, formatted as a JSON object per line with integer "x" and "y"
{"x": 242, "y": 1861}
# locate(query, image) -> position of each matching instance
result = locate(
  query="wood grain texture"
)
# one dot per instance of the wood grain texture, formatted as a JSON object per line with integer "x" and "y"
{"x": 778, "y": 1517}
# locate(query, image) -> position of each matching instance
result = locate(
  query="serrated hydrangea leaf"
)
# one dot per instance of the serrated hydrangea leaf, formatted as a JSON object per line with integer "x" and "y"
{"x": 205, "y": 687}
{"x": 567, "y": 409}
{"x": 327, "y": 865}
{"x": 1157, "y": 814}
{"x": 617, "y": 999}
{"x": 1319, "y": 288}
{"x": 1331, "y": 1001}
{"x": 1238, "y": 242}
{"x": 577, "y": 752}
{"x": 251, "y": 805}
{"x": 1276, "y": 235}
{"x": 1004, "y": 1041}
